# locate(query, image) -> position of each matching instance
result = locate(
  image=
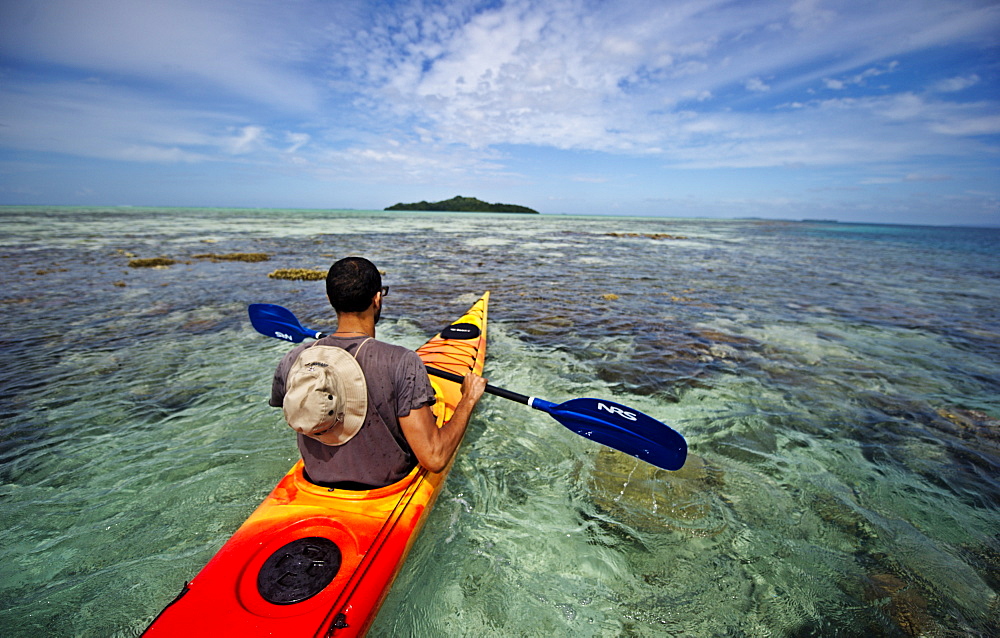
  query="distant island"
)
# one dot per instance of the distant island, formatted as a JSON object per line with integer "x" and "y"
{"x": 464, "y": 205}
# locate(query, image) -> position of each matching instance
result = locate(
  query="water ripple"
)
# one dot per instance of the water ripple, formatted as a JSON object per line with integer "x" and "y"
{"x": 837, "y": 386}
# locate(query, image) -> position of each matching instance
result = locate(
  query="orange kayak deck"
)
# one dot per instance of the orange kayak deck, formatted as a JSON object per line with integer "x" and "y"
{"x": 314, "y": 561}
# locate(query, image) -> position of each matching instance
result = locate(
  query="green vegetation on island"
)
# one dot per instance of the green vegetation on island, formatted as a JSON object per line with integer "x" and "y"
{"x": 461, "y": 204}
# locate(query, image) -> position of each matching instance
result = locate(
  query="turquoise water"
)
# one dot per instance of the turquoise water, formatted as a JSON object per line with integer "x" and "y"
{"x": 838, "y": 385}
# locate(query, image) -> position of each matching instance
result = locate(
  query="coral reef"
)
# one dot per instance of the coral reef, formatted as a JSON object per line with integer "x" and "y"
{"x": 152, "y": 262}
{"x": 298, "y": 274}
{"x": 247, "y": 257}
{"x": 647, "y": 235}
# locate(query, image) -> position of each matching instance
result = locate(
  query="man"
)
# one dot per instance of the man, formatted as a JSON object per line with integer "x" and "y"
{"x": 364, "y": 418}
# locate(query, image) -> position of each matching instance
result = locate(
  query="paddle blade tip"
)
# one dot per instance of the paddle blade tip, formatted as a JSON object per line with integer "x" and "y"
{"x": 624, "y": 429}
{"x": 274, "y": 321}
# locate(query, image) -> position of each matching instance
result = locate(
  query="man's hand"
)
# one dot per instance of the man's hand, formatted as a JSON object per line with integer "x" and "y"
{"x": 473, "y": 387}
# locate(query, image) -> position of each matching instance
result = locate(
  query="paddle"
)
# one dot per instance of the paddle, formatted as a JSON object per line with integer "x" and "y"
{"x": 612, "y": 424}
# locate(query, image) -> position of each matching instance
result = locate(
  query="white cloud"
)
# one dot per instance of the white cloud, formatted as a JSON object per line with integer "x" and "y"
{"x": 963, "y": 124}
{"x": 563, "y": 74}
{"x": 843, "y": 131}
{"x": 808, "y": 15}
{"x": 155, "y": 154}
{"x": 247, "y": 140}
{"x": 952, "y": 119}
{"x": 390, "y": 163}
{"x": 176, "y": 43}
{"x": 910, "y": 177}
{"x": 297, "y": 141}
{"x": 919, "y": 177}
{"x": 859, "y": 79}
{"x": 955, "y": 84}
{"x": 94, "y": 120}
{"x": 699, "y": 96}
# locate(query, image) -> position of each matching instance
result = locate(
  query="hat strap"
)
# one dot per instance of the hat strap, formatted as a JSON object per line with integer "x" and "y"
{"x": 358, "y": 349}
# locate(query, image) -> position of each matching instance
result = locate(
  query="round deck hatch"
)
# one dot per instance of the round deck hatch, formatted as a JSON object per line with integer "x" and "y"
{"x": 298, "y": 571}
{"x": 461, "y": 331}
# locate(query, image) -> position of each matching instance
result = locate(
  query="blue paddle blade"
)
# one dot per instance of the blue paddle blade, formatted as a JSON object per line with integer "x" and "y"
{"x": 275, "y": 321}
{"x": 622, "y": 428}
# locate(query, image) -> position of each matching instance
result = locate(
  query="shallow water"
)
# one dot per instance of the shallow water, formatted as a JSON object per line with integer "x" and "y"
{"x": 837, "y": 384}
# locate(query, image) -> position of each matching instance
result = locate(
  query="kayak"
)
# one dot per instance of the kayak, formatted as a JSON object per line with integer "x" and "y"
{"x": 315, "y": 561}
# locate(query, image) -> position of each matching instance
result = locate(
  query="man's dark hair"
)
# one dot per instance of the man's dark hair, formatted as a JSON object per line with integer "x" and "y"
{"x": 352, "y": 283}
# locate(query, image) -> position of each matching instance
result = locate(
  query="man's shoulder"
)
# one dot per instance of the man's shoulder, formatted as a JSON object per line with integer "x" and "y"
{"x": 391, "y": 352}
{"x": 393, "y": 348}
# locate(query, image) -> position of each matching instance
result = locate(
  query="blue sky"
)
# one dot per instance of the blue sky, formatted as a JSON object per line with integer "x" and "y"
{"x": 859, "y": 111}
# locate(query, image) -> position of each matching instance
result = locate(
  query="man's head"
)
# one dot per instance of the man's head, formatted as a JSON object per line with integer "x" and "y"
{"x": 352, "y": 284}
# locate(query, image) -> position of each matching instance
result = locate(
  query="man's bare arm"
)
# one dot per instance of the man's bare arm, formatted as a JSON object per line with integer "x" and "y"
{"x": 432, "y": 445}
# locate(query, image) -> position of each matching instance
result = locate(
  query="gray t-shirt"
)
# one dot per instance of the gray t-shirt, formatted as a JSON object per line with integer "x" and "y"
{"x": 378, "y": 454}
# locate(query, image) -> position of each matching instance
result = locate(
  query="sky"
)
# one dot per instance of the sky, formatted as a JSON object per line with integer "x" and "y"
{"x": 867, "y": 111}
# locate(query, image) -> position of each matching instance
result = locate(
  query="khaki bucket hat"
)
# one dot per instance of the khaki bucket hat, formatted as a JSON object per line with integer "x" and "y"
{"x": 325, "y": 395}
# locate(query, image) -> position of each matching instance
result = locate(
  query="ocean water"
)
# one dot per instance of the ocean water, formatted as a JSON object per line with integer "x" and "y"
{"x": 838, "y": 385}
